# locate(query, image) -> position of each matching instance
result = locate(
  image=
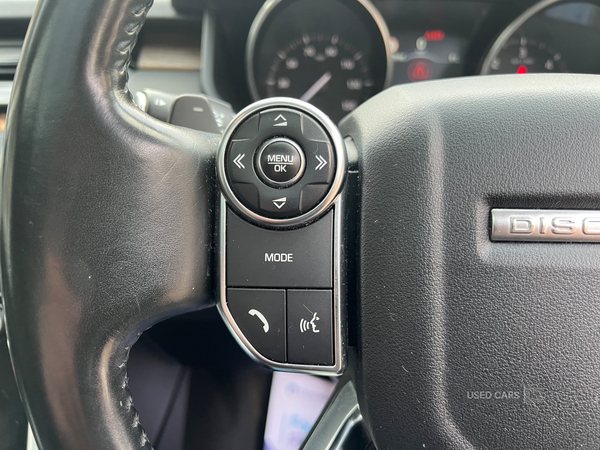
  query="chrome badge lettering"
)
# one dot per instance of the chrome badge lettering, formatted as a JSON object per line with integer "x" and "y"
{"x": 545, "y": 225}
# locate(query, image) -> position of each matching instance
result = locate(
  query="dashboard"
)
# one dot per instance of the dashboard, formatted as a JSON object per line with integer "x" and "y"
{"x": 336, "y": 54}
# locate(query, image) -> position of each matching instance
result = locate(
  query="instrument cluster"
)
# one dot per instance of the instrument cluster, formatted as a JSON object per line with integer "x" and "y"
{"x": 336, "y": 54}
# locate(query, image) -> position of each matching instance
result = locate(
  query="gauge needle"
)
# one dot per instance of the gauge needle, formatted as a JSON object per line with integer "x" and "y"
{"x": 321, "y": 82}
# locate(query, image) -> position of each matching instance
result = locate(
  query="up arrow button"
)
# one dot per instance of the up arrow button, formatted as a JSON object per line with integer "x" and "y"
{"x": 280, "y": 121}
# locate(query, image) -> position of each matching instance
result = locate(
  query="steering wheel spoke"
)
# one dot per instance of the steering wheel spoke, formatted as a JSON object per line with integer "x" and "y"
{"x": 340, "y": 415}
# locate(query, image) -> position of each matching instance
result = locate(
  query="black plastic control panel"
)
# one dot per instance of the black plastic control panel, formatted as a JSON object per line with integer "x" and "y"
{"x": 282, "y": 165}
{"x": 305, "y": 152}
{"x": 292, "y": 325}
{"x": 287, "y": 326}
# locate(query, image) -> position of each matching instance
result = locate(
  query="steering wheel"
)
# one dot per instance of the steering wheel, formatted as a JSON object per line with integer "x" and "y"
{"x": 463, "y": 341}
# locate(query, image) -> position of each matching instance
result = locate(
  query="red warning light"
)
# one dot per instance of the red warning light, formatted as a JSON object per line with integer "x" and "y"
{"x": 419, "y": 70}
{"x": 435, "y": 35}
{"x": 522, "y": 69}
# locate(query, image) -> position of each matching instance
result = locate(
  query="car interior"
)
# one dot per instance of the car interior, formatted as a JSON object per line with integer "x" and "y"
{"x": 300, "y": 224}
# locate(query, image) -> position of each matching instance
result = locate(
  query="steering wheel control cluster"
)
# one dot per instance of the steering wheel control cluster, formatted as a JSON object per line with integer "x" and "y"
{"x": 295, "y": 264}
{"x": 281, "y": 165}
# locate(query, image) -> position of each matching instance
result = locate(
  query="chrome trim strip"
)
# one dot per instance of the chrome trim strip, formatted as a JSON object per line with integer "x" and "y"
{"x": 339, "y": 311}
{"x": 338, "y": 147}
{"x": 385, "y": 34}
{"x": 10, "y": 55}
{"x": 207, "y": 55}
{"x": 5, "y": 90}
{"x": 545, "y": 225}
{"x": 255, "y": 28}
{"x": 268, "y": 7}
{"x": 31, "y": 443}
{"x": 334, "y": 426}
{"x": 141, "y": 100}
{"x": 17, "y": 9}
{"x": 509, "y": 31}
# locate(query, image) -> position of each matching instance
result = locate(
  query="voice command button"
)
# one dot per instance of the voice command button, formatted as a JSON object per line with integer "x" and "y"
{"x": 310, "y": 327}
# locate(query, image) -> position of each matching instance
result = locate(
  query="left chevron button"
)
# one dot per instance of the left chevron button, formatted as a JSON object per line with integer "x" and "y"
{"x": 238, "y": 161}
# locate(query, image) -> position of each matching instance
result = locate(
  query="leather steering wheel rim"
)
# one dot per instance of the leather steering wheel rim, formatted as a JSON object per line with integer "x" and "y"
{"x": 107, "y": 223}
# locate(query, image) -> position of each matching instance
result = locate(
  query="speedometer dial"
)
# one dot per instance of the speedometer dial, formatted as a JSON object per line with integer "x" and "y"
{"x": 551, "y": 36}
{"x": 326, "y": 70}
{"x": 523, "y": 55}
{"x": 331, "y": 53}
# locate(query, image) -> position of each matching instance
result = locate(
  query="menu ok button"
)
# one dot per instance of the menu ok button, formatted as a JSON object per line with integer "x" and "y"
{"x": 280, "y": 162}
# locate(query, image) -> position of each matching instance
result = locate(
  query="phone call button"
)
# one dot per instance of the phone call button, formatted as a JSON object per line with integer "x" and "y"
{"x": 260, "y": 315}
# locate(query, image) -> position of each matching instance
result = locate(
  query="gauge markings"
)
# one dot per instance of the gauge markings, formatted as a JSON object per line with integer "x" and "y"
{"x": 523, "y": 55}
{"x": 324, "y": 69}
{"x": 294, "y": 44}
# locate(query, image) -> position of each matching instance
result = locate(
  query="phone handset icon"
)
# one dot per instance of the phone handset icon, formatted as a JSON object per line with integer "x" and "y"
{"x": 254, "y": 312}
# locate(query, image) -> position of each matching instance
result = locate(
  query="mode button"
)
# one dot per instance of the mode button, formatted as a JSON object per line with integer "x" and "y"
{"x": 258, "y": 257}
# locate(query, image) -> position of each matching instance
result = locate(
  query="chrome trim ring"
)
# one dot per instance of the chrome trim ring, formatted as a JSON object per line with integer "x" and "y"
{"x": 264, "y": 176}
{"x": 337, "y": 420}
{"x": 338, "y": 147}
{"x": 270, "y": 5}
{"x": 510, "y": 30}
{"x": 141, "y": 100}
